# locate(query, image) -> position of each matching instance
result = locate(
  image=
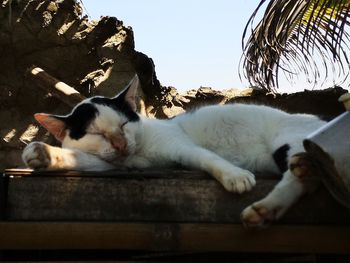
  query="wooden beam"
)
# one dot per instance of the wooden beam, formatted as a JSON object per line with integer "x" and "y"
{"x": 149, "y": 195}
{"x": 173, "y": 237}
{"x": 3, "y": 196}
{"x": 59, "y": 89}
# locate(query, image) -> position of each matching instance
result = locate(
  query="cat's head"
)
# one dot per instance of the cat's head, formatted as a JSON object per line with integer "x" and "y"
{"x": 106, "y": 127}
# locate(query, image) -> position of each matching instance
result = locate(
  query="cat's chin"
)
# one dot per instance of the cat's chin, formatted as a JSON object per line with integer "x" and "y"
{"x": 110, "y": 157}
{"x": 114, "y": 158}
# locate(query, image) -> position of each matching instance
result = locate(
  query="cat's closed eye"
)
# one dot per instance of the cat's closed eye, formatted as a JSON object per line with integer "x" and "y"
{"x": 98, "y": 134}
{"x": 123, "y": 124}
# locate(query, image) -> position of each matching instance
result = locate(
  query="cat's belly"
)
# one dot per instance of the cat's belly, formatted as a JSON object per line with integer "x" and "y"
{"x": 242, "y": 147}
{"x": 254, "y": 159}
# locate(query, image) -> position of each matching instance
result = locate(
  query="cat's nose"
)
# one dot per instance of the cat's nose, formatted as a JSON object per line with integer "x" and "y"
{"x": 119, "y": 143}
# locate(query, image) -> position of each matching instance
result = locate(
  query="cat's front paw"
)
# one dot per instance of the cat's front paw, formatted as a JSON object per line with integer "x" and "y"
{"x": 238, "y": 182}
{"x": 36, "y": 155}
{"x": 260, "y": 214}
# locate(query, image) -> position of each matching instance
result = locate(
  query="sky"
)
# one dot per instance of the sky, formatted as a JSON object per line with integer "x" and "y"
{"x": 193, "y": 43}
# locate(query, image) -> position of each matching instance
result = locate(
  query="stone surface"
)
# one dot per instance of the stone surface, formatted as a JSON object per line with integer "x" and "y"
{"x": 94, "y": 57}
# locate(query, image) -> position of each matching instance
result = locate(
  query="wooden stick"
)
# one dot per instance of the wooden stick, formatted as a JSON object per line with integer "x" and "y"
{"x": 59, "y": 89}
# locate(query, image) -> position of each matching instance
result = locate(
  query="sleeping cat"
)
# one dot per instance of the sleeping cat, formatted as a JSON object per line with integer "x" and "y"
{"x": 230, "y": 142}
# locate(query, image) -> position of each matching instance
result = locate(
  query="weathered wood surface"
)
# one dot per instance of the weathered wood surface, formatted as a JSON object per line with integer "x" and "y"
{"x": 173, "y": 237}
{"x": 148, "y": 196}
{"x": 157, "y": 211}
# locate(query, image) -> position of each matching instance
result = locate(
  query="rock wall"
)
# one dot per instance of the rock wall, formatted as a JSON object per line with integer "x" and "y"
{"x": 95, "y": 58}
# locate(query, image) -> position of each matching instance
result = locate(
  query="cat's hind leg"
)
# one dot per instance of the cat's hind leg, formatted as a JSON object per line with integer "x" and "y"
{"x": 41, "y": 156}
{"x": 303, "y": 166}
{"x": 297, "y": 180}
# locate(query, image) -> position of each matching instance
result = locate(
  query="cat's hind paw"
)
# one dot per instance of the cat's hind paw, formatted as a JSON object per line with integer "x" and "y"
{"x": 302, "y": 166}
{"x": 240, "y": 182}
{"x": 259, "y": 215}
{"x": 36, "y": 155}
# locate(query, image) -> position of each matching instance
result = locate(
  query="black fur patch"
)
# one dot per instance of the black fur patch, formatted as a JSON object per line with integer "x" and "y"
{"x": 280, "y": 157}
{"x": 118, "y": 104}
{"x": 79, "y": 119}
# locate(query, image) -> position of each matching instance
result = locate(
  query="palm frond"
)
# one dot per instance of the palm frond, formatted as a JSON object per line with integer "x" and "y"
{"x": 297, "y": 36}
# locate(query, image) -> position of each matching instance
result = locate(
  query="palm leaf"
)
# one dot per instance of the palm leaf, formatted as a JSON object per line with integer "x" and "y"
{"x": 297, "y": 36}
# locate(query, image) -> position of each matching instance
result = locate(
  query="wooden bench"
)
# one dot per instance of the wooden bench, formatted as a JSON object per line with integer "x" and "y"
{"x": 168, "y": 210}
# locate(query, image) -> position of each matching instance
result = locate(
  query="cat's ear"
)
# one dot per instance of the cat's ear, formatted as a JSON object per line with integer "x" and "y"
{"x": 129, "y": 93}
{"x": 53, "y": 124}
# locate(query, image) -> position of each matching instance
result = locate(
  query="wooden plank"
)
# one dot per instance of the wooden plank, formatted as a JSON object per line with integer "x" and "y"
{"x": 149, "y": 196}
{"x": 123, "y": 173}
{"x": 3, "y": 196}
{"x": 174, "y": 237}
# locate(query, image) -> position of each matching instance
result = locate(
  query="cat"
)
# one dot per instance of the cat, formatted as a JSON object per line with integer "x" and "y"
{"x": 230, "y": 142}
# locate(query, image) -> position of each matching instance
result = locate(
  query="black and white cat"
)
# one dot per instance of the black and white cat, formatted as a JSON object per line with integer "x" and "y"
{"x": 230, "y": 142}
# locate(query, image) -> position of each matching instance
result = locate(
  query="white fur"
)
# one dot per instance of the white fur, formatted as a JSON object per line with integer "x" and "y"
{"x": 230, "y": 142}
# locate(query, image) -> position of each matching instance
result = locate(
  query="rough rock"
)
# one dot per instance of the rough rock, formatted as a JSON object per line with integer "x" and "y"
{"x": 94, "y": 57}
{"x": 323, "y": 103}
